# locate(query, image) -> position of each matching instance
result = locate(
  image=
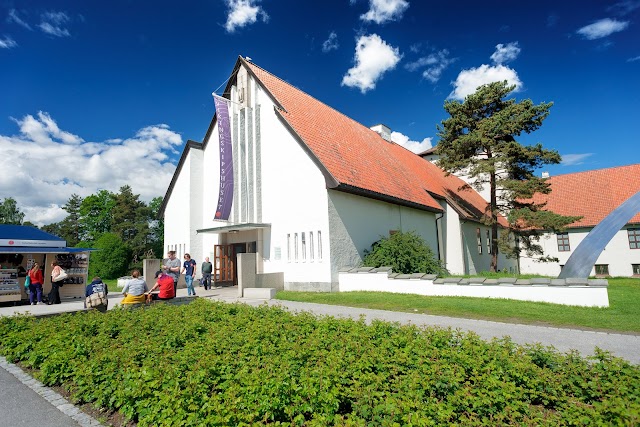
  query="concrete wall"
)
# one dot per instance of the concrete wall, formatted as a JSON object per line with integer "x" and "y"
{"x": 617, "y": 254}
{"x": 565, "y": 292}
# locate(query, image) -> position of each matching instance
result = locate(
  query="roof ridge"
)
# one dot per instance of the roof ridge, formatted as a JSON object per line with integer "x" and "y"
{"x": 316, "y": 99}
{"x": 595, "y": 170}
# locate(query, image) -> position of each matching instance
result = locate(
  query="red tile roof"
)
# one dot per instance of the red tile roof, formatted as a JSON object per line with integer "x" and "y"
{"x": 358, "y": 157}
{"x": 592, "y": 194}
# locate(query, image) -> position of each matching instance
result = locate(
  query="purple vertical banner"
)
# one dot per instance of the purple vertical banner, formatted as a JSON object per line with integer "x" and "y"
{"x": 225, "y": 196}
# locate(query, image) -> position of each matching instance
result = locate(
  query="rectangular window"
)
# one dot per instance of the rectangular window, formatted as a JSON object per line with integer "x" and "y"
{"x": 304, "y": 247}
{"x": 479, "y": 237}
{"x": 311, "y": 245}
{"x": 295, "y": 246}
{"x": 636, "y": 269}
{"x": 319, "y": 245}
{"x": 563, "y": 242}
{"x": 288, "y": 247}
{"x": 602, "y": 269}
{"x": 634, "y": 238}
{"x": 488, "y": 241}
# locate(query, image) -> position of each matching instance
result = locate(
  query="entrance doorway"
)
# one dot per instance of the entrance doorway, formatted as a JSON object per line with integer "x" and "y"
{"x": 225, "y": 270}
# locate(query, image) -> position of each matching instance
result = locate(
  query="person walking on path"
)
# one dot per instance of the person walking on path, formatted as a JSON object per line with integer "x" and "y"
{"x": 207, "y": 269}
{"x": 35, "y": 288}
{"x": 171, "y": 266}
{"x": 189, "y": 270}
{"x": 134, "y": 290}
{"x": 54, "y": 294}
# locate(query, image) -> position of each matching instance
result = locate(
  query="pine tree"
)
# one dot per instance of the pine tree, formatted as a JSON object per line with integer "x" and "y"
{"x": 70, "y": 227}
{"x": 479, "y": 139}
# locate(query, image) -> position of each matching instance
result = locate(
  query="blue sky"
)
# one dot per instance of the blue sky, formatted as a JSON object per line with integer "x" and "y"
{"x": 98, "y": 96}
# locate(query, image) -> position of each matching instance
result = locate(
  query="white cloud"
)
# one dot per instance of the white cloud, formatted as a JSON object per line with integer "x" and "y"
{"x": 381, "y": 11}
{"x": 574, "y": 159}
{"x": 469, "y": 80}
{"x": 436, "y": 63}
{"x": 53, "y": 23}
{"x": 602, "y": 28}
{"x": 373, "y": 58}
{"x": 242, "y": 13}
{"x": 624, "y": 7}
{"x": 7, "y": 43}
{"x": 414, "y": 146}
{"x": 13, "y": 17}
{"x": 331, "y": 43}
{"x": 505, "y": 53}
{"x": 48, "y": 164}
{"x": 637, "y": 58}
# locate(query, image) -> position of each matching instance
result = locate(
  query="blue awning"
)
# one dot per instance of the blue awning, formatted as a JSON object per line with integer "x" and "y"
{"x": 39, "y": 250}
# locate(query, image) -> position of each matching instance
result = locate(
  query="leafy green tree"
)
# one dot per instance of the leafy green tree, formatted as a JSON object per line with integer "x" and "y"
{"x": 130, "y": 220}
{"x": 479, "y": 141}
{"x": 70, "y": 227}
{"x": 405, "y": 253}
{"x": 10, "y": 213}
{"x": 111, "y": 259}
{"x": 96, "y": 214}
{"x": 156, "y": 226}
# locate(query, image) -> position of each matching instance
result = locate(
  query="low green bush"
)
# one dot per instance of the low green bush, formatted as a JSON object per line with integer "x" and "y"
{"x": 405, "y": 253}
{"x": 230, "y": 364}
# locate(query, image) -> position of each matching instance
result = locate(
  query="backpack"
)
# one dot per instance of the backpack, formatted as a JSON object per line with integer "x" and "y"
{"x": 98, "y": 297}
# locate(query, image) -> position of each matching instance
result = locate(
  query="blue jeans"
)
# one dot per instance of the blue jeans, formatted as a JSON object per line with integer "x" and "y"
{"x": 189, "y": 280}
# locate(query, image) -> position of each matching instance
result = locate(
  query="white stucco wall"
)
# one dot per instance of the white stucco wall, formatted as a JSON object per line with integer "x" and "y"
{"x": 177, "y": 215}
{"x": 617, "y": 254}
{"x": 357, "y": 222}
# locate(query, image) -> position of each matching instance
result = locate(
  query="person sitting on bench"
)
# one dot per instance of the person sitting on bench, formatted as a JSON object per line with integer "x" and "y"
{"x": 134, "y": 290}
{"x": 164, "y": 282}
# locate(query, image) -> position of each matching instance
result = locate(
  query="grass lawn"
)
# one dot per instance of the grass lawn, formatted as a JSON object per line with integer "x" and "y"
{"x": 622, "y": 315}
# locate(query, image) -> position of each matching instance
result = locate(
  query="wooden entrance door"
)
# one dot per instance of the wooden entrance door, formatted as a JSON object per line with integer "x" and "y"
{"x": 224, "y": 260}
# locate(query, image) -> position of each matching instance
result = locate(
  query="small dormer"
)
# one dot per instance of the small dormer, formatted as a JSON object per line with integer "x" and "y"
{"x": 383, "y": 130}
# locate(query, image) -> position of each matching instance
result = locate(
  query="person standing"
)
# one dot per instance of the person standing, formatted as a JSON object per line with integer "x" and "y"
{"x": 207, "y": 269}
{"x": 35, "y": 288}
{"x": 171, "y": 266}
{"x": 189, "y": 270}
{"x": 54, "y": 295}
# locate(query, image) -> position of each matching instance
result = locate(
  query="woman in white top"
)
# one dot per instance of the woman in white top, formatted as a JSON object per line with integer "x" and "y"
{"x": 134, "y": 290}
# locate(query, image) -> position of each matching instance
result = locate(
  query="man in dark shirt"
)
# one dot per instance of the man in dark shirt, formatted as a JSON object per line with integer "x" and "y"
{"x": 207, "y": 269}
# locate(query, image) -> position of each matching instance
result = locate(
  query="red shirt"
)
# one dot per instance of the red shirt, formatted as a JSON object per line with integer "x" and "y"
{"x": 166, "y": 287}
{"x": 36, "y": 277}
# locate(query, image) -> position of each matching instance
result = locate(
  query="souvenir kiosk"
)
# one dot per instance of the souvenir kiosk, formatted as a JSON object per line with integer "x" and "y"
{"x": 22, "y": 246}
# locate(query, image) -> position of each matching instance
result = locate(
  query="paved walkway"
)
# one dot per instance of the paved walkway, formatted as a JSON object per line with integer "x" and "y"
{"x": 28, "y": 407}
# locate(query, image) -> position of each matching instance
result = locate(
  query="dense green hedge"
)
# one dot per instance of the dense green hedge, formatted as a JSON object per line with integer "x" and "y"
{"x": 221, "y": 364}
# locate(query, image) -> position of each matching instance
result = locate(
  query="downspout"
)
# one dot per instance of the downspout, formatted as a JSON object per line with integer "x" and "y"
{"x": 438, "y": 218}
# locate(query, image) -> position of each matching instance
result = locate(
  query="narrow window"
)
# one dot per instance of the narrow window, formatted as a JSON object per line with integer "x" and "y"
{"x": 311, "y": 245}
{"x": 288, "y": 247}
{"x": 634, "y": 238}
{"x": 488, "y": 241}
{"x": 479, "y": 237}
{"x": 304, "y": 247}
{"x": 563, "y": 242}
{"x": 295, "y": 246}
{"x": 319, "y": 245}
{"x": 636, "y": 269}
{"x": 602, "y": 269}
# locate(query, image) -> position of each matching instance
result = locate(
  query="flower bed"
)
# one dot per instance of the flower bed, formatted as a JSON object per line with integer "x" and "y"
{"x": 220, "y": 364}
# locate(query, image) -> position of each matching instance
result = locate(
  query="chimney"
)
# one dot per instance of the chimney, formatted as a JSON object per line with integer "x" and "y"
{"x": 383, "y": 131}
{"x": 545, "y": 174}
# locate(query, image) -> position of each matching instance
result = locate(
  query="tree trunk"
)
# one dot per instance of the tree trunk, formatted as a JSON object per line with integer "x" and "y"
{"x": 494, "y": 224}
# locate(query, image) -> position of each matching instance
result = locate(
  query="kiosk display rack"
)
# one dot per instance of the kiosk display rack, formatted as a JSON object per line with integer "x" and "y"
{"x": 76, "y": 265}
{"x": 9, "y": 286}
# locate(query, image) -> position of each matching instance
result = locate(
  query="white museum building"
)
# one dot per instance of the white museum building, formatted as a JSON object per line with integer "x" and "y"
{"x": 312, "y": 190}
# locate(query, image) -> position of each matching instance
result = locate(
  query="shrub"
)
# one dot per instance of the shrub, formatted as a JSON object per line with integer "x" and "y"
{"x": 404, "y": 252}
